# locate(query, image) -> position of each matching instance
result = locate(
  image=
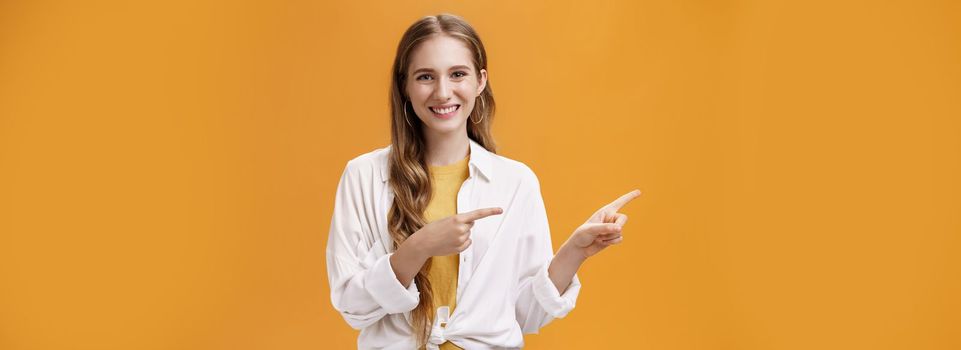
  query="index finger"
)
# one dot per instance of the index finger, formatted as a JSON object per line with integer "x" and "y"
{"x": 623, "y": 200}
{"x": 481, "y": 213}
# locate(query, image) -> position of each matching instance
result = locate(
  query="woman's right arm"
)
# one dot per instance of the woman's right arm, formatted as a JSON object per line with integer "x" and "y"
{"x": 407, "y": 261}
{"x": 450, "y": 235}
{"x": 363, "y": 285}
{"x": 367, "y": 284}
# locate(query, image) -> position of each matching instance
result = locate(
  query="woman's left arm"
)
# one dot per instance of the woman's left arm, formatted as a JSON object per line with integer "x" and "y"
{"x": 601, "y": 230}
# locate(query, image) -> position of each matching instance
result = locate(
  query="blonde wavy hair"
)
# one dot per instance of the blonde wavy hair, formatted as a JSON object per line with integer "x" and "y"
{"x": 409, "y": 176}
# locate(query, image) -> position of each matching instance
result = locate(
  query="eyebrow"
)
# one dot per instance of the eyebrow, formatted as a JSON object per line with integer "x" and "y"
{"x": 431, "y": 70}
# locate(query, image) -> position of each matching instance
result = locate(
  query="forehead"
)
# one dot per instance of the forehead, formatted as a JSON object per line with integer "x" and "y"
{"x": 440, "y": 52}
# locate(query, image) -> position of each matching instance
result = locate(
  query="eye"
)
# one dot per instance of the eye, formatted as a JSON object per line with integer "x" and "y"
{"x": 423, "y": 77}
{"x": 459, "y": 74}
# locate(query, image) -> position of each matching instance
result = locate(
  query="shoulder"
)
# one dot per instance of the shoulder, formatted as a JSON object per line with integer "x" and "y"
{"x": 514, "y": 171}
{"x": 368, "y": 165}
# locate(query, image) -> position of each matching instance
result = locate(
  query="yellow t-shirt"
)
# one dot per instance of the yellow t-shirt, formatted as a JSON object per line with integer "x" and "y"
{"x": 447, "y": 181}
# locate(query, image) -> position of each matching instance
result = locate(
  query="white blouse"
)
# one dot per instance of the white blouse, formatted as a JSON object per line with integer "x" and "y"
{"x": 503, "y": 289}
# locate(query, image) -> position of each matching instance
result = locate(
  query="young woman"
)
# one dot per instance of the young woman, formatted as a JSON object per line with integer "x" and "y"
{"x": 436, "y": 241}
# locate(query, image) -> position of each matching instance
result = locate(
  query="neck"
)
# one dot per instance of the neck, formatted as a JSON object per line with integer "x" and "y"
{"x": 445, "y": 149}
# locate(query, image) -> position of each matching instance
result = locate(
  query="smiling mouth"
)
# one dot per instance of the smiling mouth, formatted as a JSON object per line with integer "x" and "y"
{"x": 444, "y": 110}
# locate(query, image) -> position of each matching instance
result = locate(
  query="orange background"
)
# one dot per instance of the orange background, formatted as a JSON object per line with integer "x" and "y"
{"x": 167, "y": 169}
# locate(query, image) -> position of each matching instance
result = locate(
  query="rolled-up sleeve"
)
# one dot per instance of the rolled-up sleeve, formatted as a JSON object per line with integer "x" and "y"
{"x": 539, "y": 302}
{"x": 363, "y": 286}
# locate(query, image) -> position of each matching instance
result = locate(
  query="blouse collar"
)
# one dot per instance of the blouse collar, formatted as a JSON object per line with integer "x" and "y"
{"x": 480, "y": 161}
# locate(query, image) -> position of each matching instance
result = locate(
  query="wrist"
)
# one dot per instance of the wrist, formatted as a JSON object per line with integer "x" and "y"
{"x": 571, "y": 253}
{"x": 412, "y": 250}
{"x": 406, "y": 261}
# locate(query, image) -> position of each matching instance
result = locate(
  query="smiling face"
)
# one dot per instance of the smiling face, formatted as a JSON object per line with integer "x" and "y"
{"x": 443, "y": 84}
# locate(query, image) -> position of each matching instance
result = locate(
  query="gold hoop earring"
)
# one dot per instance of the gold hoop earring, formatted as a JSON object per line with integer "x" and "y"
{"x": 405, "y": 115}
{"x": 482, "y": 108}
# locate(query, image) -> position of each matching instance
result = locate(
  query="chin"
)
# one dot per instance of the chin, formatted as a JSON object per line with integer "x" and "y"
{"x": 445, "y": 126}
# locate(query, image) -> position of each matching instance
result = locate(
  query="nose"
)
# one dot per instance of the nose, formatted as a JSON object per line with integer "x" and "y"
{"x": 443, "y": 90}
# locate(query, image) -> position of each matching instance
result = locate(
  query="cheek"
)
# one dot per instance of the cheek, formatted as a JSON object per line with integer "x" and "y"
{"x": 468, "y": 94}
{"x": 468, "y": 87}
{"x": 417, "y": 92}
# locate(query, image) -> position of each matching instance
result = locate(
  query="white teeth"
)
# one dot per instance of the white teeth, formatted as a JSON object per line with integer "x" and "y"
{"x": 444, "y": 110}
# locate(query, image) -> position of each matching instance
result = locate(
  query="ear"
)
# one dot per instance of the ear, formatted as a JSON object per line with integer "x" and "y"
{"x": 483, "y": 82}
